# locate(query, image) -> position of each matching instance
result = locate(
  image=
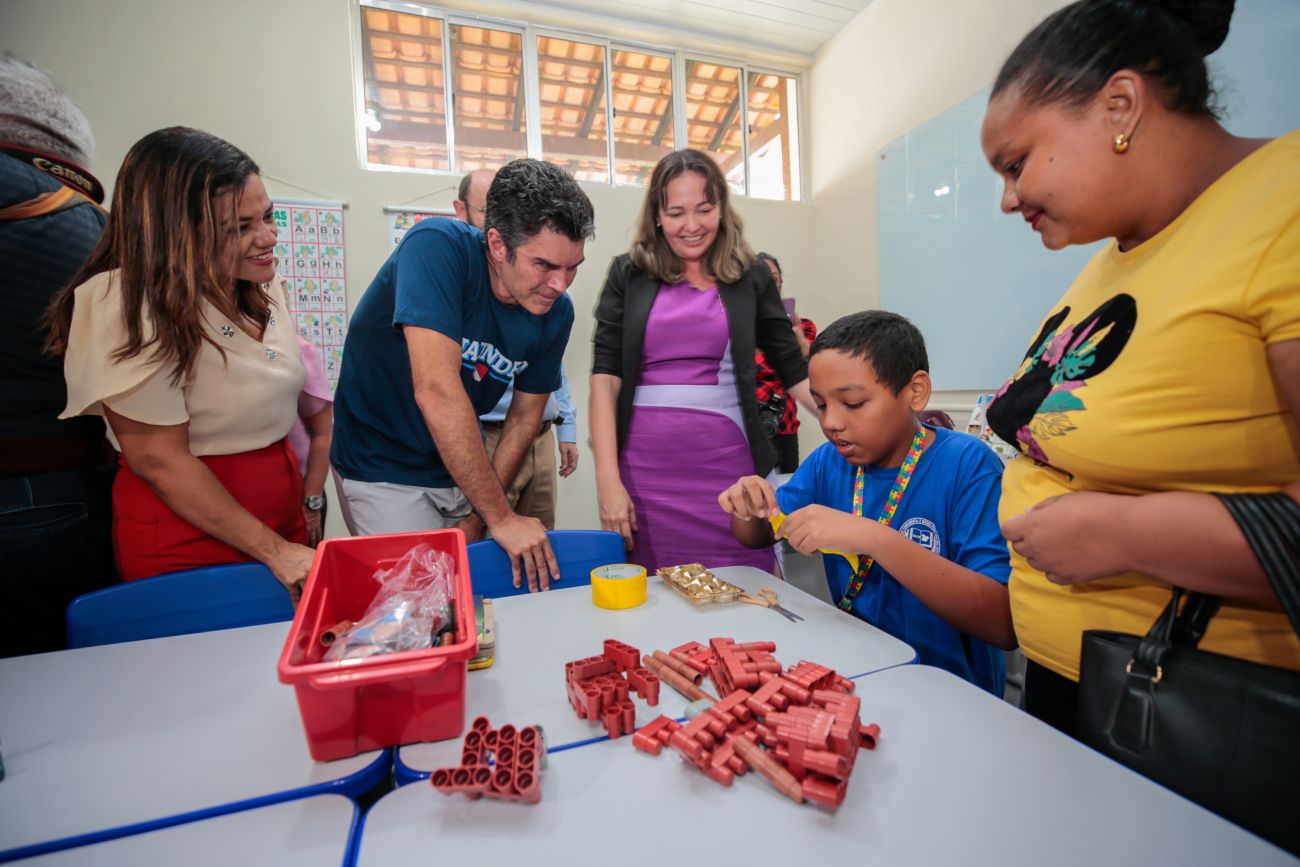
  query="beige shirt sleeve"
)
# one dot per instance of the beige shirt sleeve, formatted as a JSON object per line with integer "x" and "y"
{"x": 153, "y": 401}
{"x": 139, "y": 388}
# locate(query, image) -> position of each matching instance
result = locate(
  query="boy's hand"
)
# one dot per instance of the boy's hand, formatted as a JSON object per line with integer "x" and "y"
{"x": 750, "y": 497}
{"x": 821, "y": 528}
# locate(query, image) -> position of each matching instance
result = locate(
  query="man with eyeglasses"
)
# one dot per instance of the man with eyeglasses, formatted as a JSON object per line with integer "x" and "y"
{"x": 471, "y": 197}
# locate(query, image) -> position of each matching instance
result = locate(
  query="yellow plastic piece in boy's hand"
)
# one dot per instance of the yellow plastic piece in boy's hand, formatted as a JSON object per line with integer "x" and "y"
{"x": 779, "y": 518}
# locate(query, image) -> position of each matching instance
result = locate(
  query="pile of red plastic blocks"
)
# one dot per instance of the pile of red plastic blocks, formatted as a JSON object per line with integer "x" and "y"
{"x": 598, "y": 687}
{"x": 800, "y": 728}
{"x": 518, "y": 755}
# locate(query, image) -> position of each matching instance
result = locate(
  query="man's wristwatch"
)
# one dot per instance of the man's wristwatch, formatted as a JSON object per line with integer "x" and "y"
{"x": 315, "y": 503}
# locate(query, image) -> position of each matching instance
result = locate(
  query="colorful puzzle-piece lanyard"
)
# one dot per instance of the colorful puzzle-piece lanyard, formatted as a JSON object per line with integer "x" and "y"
{"x": 886, "y": 514}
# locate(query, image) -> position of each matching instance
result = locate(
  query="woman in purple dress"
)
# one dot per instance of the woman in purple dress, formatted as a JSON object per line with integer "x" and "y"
{"x": 673, "y": 416}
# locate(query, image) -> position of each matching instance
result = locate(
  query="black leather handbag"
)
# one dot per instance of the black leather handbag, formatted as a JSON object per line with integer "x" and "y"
{"x": 1221, "y": 731}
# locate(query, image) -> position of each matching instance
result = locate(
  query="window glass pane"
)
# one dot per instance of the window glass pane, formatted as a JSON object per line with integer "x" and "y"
{"x": 488, "y": 97}
{"x": 572, "y": 80}
{"x": 405, "y": 118}
{"x": 713, "y": 117}
{"x": 773, "y": 136}
{"x": 643, "y": 113}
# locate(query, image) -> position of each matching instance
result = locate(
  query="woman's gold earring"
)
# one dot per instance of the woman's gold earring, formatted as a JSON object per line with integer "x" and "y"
{"x": 1121, "y": 143}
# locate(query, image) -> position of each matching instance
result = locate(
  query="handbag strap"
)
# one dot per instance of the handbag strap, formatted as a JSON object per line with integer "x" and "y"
{"x": 1149, "y": 655}
{"x": 1271, "y": 525}
{"x": 1194, "y": 619}
{"x": 1174, "y": 627}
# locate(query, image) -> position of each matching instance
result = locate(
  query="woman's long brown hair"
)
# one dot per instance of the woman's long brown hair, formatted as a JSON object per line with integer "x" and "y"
{"x": 170, "y": 247}
{"x": 727, "y": 259}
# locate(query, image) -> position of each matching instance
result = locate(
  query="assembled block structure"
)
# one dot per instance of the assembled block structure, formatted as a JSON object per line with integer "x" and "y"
{"x": 800, "y": 728}
{"x": 598, "y": 687}
{"x": 514, "y": 772}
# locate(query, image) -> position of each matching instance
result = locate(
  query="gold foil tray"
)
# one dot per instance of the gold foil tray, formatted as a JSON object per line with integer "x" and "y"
{"x": 699, "y": 584}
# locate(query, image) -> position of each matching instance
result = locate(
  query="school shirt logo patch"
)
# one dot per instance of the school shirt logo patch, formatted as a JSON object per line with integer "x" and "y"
{"x": 923, "y": 532}
{"x": 483, "y": 359}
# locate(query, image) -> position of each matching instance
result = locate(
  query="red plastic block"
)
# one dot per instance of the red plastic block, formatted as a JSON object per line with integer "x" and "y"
{"x": 697, "y": 655}
{"x": 646, "y": 740}
{"x": 624, "y": 656}
{"x": 825, "y": 792}
{"x": 628, "y": 711}
{"x": 613, "y": 719}
{"x": 645, "y": 683}
{"x": 584, "y": 669}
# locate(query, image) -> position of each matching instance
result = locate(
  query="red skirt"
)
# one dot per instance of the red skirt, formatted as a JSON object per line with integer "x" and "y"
{"x": 150, "y": 539}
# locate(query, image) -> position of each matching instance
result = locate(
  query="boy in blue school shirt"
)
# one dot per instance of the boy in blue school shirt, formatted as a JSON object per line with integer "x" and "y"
{"x": 938, "y": 580}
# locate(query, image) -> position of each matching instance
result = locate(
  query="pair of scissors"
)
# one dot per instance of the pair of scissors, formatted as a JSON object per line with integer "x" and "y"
{"x": 768, "y": 599}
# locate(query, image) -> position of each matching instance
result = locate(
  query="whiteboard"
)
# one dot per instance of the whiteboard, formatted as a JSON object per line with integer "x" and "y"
{"x": 978, "y": 282}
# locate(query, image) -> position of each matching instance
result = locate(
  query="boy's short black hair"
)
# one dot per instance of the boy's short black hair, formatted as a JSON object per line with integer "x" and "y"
{"x": 890, "y": 343}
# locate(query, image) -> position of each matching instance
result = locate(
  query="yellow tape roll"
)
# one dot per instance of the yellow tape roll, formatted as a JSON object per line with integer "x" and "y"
{"x": 618, "y": 585}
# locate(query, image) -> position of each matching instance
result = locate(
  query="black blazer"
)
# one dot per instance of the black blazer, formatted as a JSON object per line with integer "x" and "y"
{"x": 755, "y": 319}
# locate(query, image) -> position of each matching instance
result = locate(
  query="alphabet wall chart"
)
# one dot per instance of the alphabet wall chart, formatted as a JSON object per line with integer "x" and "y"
{"x": 400, "y": 219}
{"x": 310, "y": 258}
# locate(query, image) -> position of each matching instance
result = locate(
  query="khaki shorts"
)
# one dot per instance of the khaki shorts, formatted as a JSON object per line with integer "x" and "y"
{"x": 371, "y": 508}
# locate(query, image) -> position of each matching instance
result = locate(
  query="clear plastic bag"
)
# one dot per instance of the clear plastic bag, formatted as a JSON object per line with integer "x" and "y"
{"x": 412, "y": 606}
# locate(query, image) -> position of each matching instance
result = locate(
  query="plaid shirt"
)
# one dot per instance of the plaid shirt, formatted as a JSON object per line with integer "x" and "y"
{"x": 769, "y": 384}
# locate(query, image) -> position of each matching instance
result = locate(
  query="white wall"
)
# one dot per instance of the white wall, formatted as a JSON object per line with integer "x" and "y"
{"x": 275, "y": 78}
{"x": 899, "y": 63}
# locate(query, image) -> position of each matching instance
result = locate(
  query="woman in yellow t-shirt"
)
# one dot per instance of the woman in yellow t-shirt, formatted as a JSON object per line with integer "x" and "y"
{"x": 1171, "y": 368}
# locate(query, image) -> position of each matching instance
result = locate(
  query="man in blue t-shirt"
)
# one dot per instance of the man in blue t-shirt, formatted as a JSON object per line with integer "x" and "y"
{"x": 940, "y": 568}
{"x": 533, "y": 490}
{"x": 452, "y": 317}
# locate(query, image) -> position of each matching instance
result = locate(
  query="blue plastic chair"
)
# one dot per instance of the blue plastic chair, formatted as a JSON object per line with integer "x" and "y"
{"x": 577, "y": 552}
{"x": 196, "y": 600}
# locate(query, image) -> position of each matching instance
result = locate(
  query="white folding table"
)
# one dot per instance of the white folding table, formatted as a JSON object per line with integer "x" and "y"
{"x": 540, "y": 632}
{"x": 118, "y": 738}
{"x": 959, "y": 777}
{"x": 308, "y": 832}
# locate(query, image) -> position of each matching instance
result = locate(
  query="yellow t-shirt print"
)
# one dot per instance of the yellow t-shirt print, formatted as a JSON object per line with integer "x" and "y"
{"x": 1035, "y": 405}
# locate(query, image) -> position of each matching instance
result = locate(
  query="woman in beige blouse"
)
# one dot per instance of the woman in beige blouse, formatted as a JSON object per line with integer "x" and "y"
{"x": 178, "y": 332}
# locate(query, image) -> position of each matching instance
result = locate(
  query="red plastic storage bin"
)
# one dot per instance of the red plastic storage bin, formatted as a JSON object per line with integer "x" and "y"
{"x": 355, "y": 705}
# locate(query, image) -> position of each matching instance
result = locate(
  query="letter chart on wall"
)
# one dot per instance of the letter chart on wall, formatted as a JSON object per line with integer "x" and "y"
{"x": 310, "y": 258}
{"x": 400, "y": 219}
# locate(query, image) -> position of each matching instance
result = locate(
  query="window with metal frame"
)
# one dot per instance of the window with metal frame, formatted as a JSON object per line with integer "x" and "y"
{"x": 444, "y": 92}
{"x": 571, "y": 80}
{"x": 713, "y": 116}
{"x": 404, "y": 116}
{"x": 773, "y": 138}
{"x": 642, "y": 84}
{"x": 489, "y": 119}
